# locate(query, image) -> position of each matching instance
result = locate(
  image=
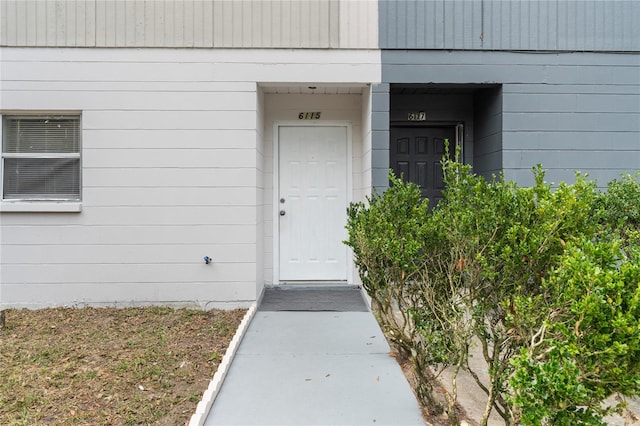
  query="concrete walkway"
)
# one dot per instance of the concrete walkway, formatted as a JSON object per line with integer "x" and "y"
{"x": 314, "y": 368}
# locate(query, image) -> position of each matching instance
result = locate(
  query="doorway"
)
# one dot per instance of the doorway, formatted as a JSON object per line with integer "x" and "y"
{"x": 415, "y": 154}
{"x": 311, "y": 202}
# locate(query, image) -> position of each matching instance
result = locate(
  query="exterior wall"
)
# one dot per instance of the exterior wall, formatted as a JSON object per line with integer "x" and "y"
{"x": 172, "y": 171}
{"x": 189, "y": 23}
{"x": 487, "y": 158}
{"x": 177, "y": 144}
{"x": 358, "y": 24}
{"x": 566, "y": 111}
{"x": 260, "y": 195}
{"x": 380, "y": 104}
{"x": 366, "y": 185}
{"x": 593, "y": 25}
{"x": 344, "y": 108}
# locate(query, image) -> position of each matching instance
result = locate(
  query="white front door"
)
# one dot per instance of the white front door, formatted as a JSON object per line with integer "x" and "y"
{"x": 312, "y": 203}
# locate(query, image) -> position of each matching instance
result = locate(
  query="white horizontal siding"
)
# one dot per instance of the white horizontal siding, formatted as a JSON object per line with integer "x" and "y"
{"x": 165, "y": 177}
{"x": 169, "y": 119}
{"x": 189, "y": 23}
{"x": 136, "y": 233}
{"x": 145, "y": 215}
{"x": 146, "y": 100}
{"x": 143, "y": 86}
{"x": 175, "y": 139}
{"x": 133, "y": 254}
{"x": 230, "y": 294}
{"x": 170, "y": 196}
{"x": 172, "y": 162}
{"x": 185, "y": 59}
{"x": 176, "y": 67}
{"x": 132, "y": 157}
{"x": 162, "y": 72}
{"x": 98, "y": 273}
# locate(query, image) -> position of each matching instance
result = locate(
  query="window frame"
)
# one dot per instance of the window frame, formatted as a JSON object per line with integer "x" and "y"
{"x": 37, "y": 204}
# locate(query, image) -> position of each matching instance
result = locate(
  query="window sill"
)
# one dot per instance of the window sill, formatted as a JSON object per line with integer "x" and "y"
{"x": 40, "y": 206}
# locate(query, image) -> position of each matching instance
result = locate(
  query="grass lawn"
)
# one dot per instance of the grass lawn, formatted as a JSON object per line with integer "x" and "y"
{"x": 105, "y": 366}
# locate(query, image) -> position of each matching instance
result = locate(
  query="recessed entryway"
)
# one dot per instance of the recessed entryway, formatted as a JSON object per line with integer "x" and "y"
{"x": 468, "y": 114}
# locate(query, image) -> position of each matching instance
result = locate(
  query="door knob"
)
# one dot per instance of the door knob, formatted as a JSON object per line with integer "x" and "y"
{"x": 282, "y": 213}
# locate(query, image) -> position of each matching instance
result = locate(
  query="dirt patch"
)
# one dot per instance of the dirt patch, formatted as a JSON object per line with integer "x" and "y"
{"x": 430, "y": 418}
{"x": 109, "y": 366}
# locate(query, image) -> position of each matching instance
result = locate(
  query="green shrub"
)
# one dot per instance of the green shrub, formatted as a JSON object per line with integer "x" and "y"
{"x": 588, "y": 346}
{"x": 619, "y": 206}
{"x": 504, "y": 240}
{"x": 387, "y": 235}
{"x": 489, "y": 265}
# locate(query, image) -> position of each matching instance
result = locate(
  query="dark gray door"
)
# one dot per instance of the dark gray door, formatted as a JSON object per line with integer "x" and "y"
{"x": 415, "y": 154}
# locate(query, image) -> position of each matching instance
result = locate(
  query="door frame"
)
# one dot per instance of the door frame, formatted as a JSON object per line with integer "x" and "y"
{"x": 275, "y": 201}
{"x": 458, "y": 126}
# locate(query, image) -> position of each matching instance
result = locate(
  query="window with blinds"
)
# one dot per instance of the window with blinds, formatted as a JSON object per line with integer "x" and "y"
{"x": 41, "y": 157}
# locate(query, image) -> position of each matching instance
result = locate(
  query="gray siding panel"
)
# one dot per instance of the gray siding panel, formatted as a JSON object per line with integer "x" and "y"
{"x": 381, "y": 100}
{"x": 380, "y": 137}
{"x": 576, "y": 159}
{"x": 419, "y": 24}
{"x": 568, "y": 122}
{"x": 579, "y": 89}
{"x": 591, "y": 25}
{"x": 567, "y": 111}
{"x": 467, "y": 73}
{"x": 572, "y": 103}
{"x": 488, "y": 144}
{"x": 379, "y": 120}
{"x": 560, "y": 141}
{"x": 380, "y": 140}
{"x": 435, "y": 57}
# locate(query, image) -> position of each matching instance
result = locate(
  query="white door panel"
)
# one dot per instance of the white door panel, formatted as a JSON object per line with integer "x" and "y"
{"x": 313, "y": 200}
